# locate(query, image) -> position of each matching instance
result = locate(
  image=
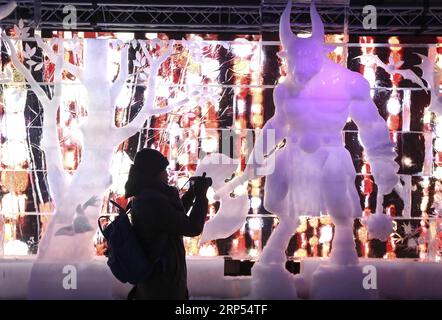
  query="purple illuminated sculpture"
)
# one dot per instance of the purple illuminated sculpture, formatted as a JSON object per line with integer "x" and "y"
{"x": 313, "y": 173}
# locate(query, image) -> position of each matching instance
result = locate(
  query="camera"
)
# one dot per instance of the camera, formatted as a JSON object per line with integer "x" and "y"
{"x": 207, "y": 180}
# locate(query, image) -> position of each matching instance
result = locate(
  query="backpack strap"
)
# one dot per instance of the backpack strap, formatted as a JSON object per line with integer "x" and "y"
{"x": 99, "y": 224}
{"x": 121, "y": 211}
{"x": 162, "y": 257}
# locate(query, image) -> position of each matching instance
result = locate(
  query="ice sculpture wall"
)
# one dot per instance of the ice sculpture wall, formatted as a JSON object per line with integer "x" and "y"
{"x": 253, "y": 68}
{"x": 313, "y": 173}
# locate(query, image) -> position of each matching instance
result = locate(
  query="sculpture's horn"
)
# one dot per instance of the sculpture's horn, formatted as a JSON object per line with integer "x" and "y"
{"x": 285, "y": 31}
{"x": 317, "y": 25}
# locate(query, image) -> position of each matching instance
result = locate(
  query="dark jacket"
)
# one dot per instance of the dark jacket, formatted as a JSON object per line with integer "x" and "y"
{"x": 160, "y": 221}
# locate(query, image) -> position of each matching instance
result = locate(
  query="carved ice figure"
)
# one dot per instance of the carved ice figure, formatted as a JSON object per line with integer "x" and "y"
{"x": 431, "y": 73}
{"x": 313, "y": 173}
{"x": 233, "y": 210}
{"x": 77, "y": 197}
{"x": 392, "y": 68}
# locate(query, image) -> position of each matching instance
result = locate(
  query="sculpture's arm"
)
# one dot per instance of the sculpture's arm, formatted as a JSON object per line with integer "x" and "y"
{"x": 261, "y": 160}
{"x": 375, "y": 137}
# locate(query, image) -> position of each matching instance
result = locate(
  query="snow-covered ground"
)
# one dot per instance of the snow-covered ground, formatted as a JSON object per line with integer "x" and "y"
{"x": 94, "y": 281}
{"x": 399, "y": 279}
{"x": 395, "y": 279}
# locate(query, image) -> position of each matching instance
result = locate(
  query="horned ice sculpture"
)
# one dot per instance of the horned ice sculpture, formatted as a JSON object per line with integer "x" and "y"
{"x": 314, "y": 173}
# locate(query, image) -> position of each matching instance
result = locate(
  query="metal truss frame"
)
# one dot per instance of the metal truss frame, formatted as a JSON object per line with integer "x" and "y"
{"x": 264, "y": 17}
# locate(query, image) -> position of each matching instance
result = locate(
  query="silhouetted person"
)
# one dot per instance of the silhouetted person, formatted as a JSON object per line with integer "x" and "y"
{"x": 160, "y": 221}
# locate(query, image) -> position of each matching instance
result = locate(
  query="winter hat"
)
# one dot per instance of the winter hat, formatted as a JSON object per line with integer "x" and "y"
{"x": 148, "y": 165}
{"x": 150, "y": 162}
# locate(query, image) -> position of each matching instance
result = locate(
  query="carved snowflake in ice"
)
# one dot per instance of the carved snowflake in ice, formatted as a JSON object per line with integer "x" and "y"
{"x": 412, "y": 237}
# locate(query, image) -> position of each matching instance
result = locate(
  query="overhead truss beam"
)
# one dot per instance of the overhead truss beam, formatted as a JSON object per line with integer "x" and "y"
{"x": 216, "y": 18}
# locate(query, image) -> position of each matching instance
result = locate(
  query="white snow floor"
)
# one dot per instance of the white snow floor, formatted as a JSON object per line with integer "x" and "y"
{"x": 399, "y": 279}
{"x": 205, "y": 279}
{"x": 396, "y": 279}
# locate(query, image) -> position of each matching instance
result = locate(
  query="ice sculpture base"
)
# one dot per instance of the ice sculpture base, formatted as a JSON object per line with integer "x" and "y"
{"x": 206, "y": 280}
{"x": 272, "y": 281}
{"x": 396, "y": 279}
{"x": 70, "y": 281}
{"x": 332, "y": 282}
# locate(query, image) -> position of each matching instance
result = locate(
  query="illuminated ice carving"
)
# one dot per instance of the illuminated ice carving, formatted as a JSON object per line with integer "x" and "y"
{"x": 233, "y": 210}
{"x": 431, "y": 73}
{"x": 313, "y": 173}
{"x": 77, "y": 197}
{"x": 392, "y": 68}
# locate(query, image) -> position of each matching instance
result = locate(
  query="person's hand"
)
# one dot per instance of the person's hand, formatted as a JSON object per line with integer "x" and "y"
{"x": 200, "y": 185}
{"x": 188, "y": 196}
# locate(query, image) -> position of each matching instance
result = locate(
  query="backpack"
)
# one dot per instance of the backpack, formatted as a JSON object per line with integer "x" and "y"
{"x": 126, "y": 258}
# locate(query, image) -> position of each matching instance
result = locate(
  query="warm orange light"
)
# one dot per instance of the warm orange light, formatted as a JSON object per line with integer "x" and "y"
{"x": 394, "y": 42}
